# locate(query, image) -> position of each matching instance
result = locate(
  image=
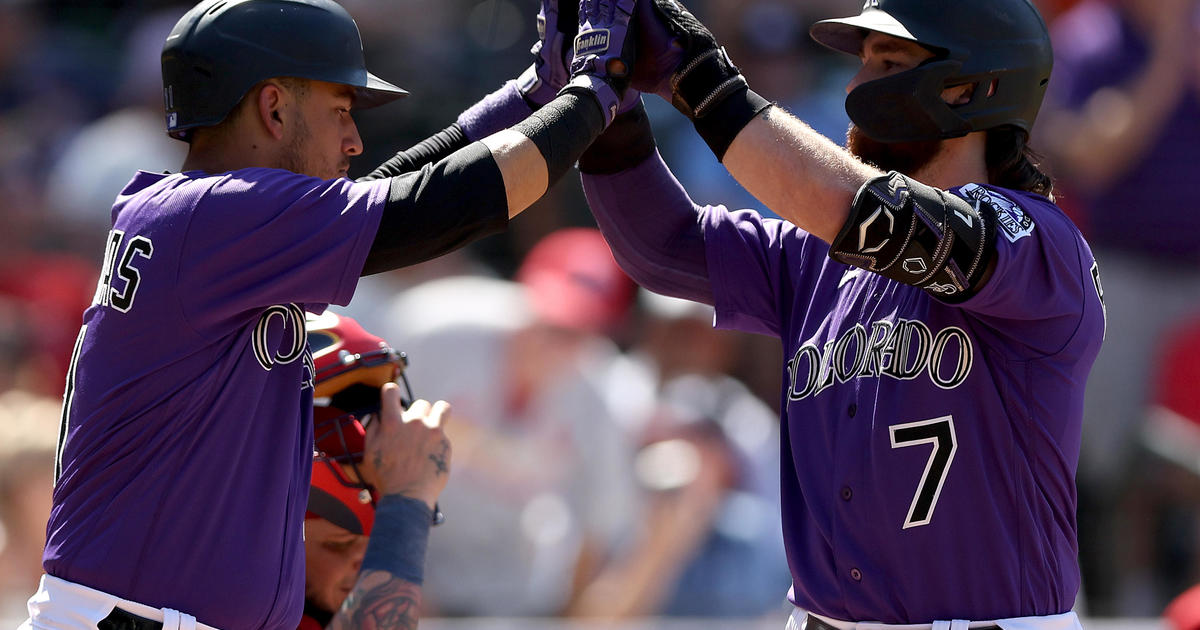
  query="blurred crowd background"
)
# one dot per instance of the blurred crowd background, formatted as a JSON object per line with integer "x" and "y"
{"x": 614, "y": 455}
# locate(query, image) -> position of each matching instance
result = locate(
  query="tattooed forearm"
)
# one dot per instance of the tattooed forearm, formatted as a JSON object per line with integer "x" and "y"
{"x": 379, "y": 601}
{"x": 442, "y": 459}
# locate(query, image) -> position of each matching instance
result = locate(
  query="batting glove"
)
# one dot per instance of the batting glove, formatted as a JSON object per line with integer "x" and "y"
{"x": 680, "y": 60}
{"x": 556, "y": 26}
{"x": 604, "y": 53}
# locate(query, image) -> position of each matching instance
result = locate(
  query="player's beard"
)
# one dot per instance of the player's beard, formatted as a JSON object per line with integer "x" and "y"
{"x": 904, "y": 157}
{"x": 293, "y": 157}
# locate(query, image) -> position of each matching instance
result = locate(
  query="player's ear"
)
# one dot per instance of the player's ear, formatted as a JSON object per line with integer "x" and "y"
{"x": 271, "y": 101}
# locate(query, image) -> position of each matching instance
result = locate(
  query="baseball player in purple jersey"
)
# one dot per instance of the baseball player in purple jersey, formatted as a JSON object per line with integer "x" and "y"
{"x": 938, "y": 321}
{"x": 938, "y": 313}
{"x": 186, "y": 442}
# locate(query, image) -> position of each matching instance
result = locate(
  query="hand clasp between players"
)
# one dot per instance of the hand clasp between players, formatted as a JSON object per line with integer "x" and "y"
{"x": 407, "y": 452}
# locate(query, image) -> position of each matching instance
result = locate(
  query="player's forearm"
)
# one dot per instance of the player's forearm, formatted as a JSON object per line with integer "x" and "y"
{"x": 379, "y": 601}
{"x": 438, "y": 209}
{"x": 649, "y": 221}
{"x": 428, "y": 151}
{"x": 653, "y": 228}
{"x": 797, "y": 172}
{"x": 388, "y": 591}
{"x": 536, "y": 152}
{"x": 499, "y": 110}
{"x": 474, "y": 191}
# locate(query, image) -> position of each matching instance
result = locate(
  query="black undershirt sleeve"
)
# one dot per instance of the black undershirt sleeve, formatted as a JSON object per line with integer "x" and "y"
{"x": 427, "y": 151}
{"x": 627, "y": 142}
{"x": 438, "y": 209}
{"x": 460, "y": 198}
{"x": 563, "y": 129}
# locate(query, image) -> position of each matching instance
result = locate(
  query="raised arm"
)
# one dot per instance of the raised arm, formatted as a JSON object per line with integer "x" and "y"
{"x": 800, "y": 174}
{"x": 510, "y": 104}
{"x": 648, "y": 219}
{"x": 795, "y": 171}
{"x": 473, "y": 191}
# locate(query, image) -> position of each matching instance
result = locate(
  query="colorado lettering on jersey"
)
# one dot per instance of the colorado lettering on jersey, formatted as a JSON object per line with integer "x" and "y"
{"x": 293, "y": 346}
{"x": 903, "y": 350}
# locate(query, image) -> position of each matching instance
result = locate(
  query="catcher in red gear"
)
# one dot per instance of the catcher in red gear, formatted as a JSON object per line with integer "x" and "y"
{"x": 366, "y": 453}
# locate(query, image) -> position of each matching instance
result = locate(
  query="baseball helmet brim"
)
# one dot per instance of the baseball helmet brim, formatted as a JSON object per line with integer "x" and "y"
{"x": 377, "y": 92}
{"x": 847, "y": 34}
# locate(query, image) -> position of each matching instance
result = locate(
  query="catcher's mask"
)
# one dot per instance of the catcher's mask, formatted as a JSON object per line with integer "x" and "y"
{"x": 352, "y": 365}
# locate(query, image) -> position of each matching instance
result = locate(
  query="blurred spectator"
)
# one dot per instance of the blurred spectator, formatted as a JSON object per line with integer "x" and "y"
{"x": 41, "y": 297}
{"x": 1183, "y": 613}
{"x": 708, "y": 542}
{"x": 97, "y": 163}
{"x": 1122, "y": 125}
{"x": 28, "y": 430}
{"x": 1160, "y": 514}
{"x": 542, "y": 485}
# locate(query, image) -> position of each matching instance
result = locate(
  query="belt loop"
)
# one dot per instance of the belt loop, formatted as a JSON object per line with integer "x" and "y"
{"x": 960, "y": 624}
{"x": 943, "y": 625}
{"x": 175, "y": 620}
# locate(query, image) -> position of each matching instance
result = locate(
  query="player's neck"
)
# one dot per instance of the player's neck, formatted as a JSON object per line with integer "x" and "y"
{"x": 229, "y": 152}
{"x": 961, "y": 161}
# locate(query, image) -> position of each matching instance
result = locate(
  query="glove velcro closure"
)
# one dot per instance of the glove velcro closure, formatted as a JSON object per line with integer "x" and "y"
{"x": 918, "y": 235}
{"x": 704, "y": 81}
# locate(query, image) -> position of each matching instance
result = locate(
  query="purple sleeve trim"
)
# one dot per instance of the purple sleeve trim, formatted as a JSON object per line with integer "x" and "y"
{"x": 499, "y": 110}
{"x": 653, "y": 228}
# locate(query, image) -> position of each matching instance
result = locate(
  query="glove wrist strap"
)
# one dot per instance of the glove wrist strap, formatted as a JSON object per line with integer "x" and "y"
{"x": 725, "y": 119}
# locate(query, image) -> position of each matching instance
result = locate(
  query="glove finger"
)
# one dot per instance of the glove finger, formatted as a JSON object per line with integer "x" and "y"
{"x": 622, "y": 65}
{"x": 659, "y": 50}
{"x": 542, "y": 17}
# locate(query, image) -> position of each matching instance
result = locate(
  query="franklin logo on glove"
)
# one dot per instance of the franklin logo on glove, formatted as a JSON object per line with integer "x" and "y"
{"x": 591, "y": 42}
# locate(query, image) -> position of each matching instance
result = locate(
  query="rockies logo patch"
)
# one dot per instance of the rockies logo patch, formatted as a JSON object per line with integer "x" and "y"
{"x": 1013, "y": 222}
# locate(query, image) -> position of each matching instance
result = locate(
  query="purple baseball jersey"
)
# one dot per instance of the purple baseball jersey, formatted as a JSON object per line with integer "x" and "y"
{"x": 186, "y": 450}
{"x": 928, "y": 450}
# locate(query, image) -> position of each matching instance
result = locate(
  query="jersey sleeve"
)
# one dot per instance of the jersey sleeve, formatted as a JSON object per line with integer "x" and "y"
{"x": 261, "y": 237}
{"x": 1045, "y": 287}
{"x": 652, "y": 227}
{"x": 756, "y": 264}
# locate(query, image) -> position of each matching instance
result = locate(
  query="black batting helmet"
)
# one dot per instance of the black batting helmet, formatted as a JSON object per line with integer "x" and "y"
{"x": 1000, "y": 46}
{"x": 221, "y": 48}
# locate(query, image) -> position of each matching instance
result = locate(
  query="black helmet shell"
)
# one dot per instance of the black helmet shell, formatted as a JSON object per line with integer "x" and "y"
{"x": 221, "y": 48}
{"x": 992, "y": 43}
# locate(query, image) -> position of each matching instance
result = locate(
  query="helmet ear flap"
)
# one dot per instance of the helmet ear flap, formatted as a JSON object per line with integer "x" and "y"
{"x": 908, "y": 106}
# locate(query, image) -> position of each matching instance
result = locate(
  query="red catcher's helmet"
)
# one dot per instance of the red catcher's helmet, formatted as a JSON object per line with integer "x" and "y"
{"x": 351, "y": 367}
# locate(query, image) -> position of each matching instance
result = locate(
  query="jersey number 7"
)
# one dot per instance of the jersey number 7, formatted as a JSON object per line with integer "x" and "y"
{"x": 940, "y": 433}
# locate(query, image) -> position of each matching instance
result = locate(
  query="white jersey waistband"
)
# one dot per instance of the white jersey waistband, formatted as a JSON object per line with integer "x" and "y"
{"x": 1064, "y": 621}
{"x": 62, "y": 605}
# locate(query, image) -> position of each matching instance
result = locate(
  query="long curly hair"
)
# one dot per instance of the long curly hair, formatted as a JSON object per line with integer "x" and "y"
{"x": 1011, "y": 163}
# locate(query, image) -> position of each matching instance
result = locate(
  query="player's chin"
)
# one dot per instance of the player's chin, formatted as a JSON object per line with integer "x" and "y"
{"x": 903, "y": 157}
{"x": 332, "y": 599}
